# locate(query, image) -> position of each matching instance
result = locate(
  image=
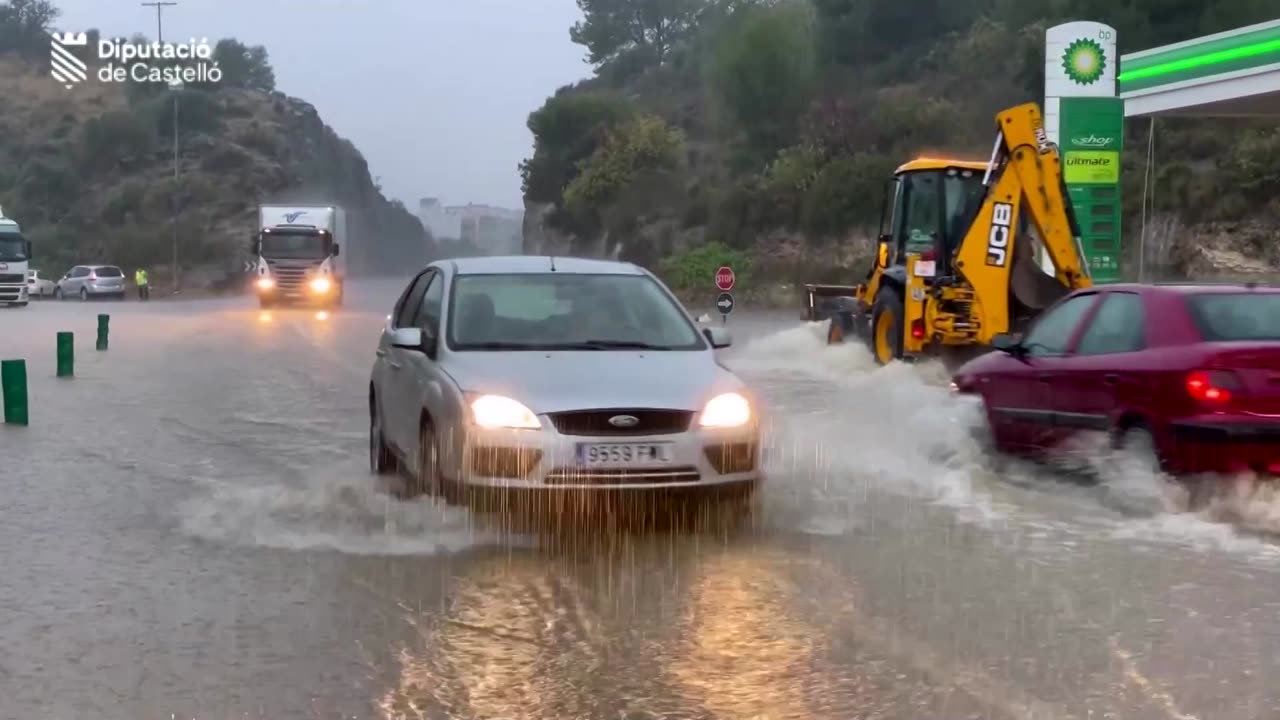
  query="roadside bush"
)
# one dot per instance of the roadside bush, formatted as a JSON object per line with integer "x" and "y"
{"x": 695, "y": 268}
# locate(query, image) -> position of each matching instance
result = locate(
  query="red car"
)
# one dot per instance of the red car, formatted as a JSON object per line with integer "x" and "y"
{"x": 1188, "y": 373}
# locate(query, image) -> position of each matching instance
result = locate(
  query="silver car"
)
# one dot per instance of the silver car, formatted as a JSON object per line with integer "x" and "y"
{"x": 87, "y": 281}
{"x": 556, "y": 374}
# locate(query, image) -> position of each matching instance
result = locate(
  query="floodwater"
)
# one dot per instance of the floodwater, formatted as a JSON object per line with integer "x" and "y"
{"x": 188, "y": 529}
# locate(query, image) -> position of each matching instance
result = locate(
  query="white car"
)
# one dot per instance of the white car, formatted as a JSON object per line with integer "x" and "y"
{"x": 39, "y": 287}
{"x": 556, "y": 374}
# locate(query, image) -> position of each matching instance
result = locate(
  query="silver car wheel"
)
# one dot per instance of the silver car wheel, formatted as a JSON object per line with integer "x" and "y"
{"x": 381, "y": 461}
{"x": 427, "y": 479}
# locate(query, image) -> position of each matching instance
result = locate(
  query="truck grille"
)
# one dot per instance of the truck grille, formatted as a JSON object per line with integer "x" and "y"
{"x": 596, "y": 422}
{"x": 290, "y": 277}
{"x": 12, "y": 279}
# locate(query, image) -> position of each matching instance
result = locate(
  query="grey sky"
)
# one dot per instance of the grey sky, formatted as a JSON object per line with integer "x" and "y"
{"x": 435, "y": 93}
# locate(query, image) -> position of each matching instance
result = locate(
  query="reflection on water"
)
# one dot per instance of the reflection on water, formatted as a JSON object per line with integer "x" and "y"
{"x": 634, "y": 627}
{"x": 740, "y": 657}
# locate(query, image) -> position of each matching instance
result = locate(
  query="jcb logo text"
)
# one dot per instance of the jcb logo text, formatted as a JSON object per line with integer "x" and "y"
{"x": 998, "y": 237}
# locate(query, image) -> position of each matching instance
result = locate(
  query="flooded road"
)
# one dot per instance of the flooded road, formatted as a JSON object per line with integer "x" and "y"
{"x": 189, "y": 530}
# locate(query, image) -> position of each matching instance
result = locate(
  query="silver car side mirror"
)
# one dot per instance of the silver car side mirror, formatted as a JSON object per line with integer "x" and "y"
{"x": 409, "y": 338}
{"x": 718, "y": 336}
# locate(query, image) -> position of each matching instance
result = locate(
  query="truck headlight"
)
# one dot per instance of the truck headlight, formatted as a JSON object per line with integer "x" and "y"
{"x": 724, "y": 411}
{"x": 320, "y": 285}
{"x": 266, "y": 283}
{"x": 495, "y": 411}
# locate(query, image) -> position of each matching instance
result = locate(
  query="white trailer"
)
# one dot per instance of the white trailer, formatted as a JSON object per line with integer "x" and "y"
{"x": 299, "y": 258}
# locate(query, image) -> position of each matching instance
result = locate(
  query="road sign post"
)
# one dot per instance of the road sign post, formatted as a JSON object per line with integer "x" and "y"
{"x": 725, "y": 278}
{"x": 724, "y": 303}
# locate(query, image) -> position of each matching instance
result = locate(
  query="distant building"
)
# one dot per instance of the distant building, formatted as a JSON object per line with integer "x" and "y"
{"x": 492, "y": 230}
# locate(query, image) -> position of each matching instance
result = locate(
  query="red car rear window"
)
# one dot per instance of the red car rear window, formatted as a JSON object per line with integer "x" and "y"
{"x": 1225, "y": 317}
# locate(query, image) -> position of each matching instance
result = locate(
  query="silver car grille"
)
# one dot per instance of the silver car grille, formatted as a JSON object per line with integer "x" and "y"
{"x": 619, "y": 476}
{"x": 647, "y": 421}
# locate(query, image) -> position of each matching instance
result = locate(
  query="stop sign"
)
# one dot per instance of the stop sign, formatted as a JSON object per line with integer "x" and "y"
{"x": 724, "y": 278}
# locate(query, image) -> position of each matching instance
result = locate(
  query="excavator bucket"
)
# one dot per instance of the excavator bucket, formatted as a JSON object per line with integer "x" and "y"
{"x": 1032, "y": 287}
{"x": 826, "y": 301}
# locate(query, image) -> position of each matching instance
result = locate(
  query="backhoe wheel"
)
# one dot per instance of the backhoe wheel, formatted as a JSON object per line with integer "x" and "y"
{"x": 886, "y": 326}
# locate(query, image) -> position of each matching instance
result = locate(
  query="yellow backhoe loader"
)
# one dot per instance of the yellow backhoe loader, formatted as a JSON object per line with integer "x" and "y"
{"x": 957, "y": 262}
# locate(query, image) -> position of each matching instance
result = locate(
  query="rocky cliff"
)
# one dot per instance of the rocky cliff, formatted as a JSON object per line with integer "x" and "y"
{"x": 89, "y": 172}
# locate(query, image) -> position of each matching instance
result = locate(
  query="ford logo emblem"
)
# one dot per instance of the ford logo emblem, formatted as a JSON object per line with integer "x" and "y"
{"x": 624, "y": 421}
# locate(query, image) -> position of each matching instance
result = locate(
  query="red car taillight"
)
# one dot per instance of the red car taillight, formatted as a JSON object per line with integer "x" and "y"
{"x": 917, "y": 329}
{"x": 1213, "y": 387}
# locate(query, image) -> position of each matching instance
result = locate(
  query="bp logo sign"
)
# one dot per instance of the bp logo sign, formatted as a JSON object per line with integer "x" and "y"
{"x": 1084, "y": 61}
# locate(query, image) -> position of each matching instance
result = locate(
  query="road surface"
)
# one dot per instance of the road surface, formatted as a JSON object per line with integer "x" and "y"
{"x": 188, "y": 530}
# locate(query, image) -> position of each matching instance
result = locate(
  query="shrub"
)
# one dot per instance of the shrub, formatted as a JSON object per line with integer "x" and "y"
{"x": 642, "y": 145}
{"x": 696, "y": 267}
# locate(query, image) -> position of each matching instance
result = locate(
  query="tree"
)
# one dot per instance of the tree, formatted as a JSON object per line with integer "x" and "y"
{"x": 764, "y": 70}
{"x": 24, "y": 25}
{"x": 644, "y": 144}
{"x": 611, "y": 28}
{"x": 566, "y": 130}
{"x": 243, "y": 66}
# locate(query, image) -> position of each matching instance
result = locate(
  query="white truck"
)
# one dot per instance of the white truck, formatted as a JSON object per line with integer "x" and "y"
{"x": 15, "y": 258}
{"x": 298, "y": 255}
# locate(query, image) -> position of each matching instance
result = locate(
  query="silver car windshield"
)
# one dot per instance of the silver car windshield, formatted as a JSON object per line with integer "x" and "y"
{"x": 566, "y": 311}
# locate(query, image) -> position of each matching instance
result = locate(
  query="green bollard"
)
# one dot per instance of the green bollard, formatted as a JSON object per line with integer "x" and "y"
{"x": 104, "y": 321}
{"x": 66, "y": 354}
{"x": 13, "y": 386}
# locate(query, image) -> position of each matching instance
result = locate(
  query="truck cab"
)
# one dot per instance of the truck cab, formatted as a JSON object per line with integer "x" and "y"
{"x": 15, "y": 259}
{"x": 299, "y": 255}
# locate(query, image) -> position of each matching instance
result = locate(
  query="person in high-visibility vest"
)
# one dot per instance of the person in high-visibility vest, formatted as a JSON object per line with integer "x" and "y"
{"x": 144, "y": 287}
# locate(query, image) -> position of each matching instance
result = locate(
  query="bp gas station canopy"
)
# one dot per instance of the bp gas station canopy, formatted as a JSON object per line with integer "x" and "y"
{"x": 1230, "y": 74}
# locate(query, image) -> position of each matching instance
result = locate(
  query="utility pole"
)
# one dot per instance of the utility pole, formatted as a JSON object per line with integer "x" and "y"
{"x": 159, "y": 6}
{"x": 175, "y": 87}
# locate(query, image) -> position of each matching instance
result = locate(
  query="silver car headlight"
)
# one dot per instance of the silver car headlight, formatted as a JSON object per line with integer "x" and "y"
{"x": 726, "y": 411}
{"x": 496, "y": 411}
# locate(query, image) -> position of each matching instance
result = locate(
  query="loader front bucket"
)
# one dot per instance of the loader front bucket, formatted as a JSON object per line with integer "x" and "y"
{"x": 824, "y": 301}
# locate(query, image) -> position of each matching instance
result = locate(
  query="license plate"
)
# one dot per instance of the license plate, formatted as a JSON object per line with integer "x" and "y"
{"x": 597, "y": 454}
{"x": 926, "y": 268}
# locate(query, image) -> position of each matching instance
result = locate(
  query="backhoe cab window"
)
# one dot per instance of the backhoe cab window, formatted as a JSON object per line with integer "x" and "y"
{"x": 920, "y": 226}
{"x": 963, "y": 192}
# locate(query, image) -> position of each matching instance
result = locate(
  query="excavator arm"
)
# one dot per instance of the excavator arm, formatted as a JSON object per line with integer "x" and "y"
{"x": 1025, "y": 193}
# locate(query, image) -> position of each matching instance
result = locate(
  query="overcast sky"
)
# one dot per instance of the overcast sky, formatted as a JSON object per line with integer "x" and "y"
{"x": 435, "y": 93}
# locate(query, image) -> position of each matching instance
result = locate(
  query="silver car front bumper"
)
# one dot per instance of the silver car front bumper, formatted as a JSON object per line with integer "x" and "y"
{"x": 549, "y": 460}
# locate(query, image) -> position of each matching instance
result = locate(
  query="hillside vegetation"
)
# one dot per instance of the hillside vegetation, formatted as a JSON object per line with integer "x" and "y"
{"x": 89, "y": 170}
{"x": 762, "y": 131}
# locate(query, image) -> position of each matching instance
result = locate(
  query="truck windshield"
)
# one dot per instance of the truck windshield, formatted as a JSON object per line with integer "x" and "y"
{"x": 13, "y": 248}
{"x": 295, "y": 245}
